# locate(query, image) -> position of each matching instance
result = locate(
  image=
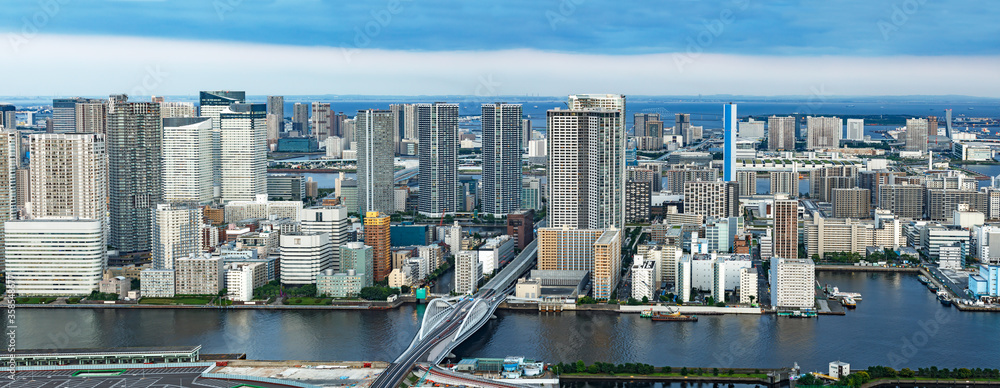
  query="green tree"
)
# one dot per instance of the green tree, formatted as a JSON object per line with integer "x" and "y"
{"x": 645, "y": 299}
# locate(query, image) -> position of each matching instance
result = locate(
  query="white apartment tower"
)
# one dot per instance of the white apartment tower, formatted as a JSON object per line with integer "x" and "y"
{"x": 243, "y": 149}
{"x": 824, "y": 132}
{"x": 331, "y": 220}
{"x": 793, "y": 283}
{"x": 586, "y": 172}
{"x": 176, "y": 233}
{"x": 304, "y": 256}
{"x": 502, "y": 144}
{"x": 187, "y": 160}
{"x": 69, "y": 176}
{"x": 855, "y": 129}
{"x": 10, "y": 142}
{"x": 437, "y": 127}
{"x": 781, "y": 133}
{"x": 374, "y": 130}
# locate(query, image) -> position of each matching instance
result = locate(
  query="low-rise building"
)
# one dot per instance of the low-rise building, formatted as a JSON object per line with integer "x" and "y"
{"x": 116, "y": 285}
{"x": 644, "y": 282}
{"x": 793, "y": 283}
{"x": 748, "y": 285}
{"x": 243, "y": 278}
{"x": 157, "y": 283}
{"x": 495, "y": 252}
{"x": 198, "y": 274}
{"x": 339, "y": 285}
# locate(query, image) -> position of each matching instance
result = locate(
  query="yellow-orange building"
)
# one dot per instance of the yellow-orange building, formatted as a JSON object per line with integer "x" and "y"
{"x": 377, "y": 237}
{"x": 594, "y": 250}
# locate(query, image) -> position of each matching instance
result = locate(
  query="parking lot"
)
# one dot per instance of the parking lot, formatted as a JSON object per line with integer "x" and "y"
{"x": 132, "y": 378}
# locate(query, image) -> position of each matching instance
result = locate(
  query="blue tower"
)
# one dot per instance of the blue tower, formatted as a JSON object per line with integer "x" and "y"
{"x": 729, "y": 150}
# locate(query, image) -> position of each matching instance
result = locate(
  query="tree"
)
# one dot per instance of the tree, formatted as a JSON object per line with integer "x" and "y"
{"x": 222, "y": 292}
{"x": 809, "y": 379}
{"x": 684, "y": 371}
{"x": 666, "y": 369}
{"x": 752, "y": 298}
{"x": 645, "y": 299}
{"x": 404, "y": 289}
{"x": 715, "y": 371}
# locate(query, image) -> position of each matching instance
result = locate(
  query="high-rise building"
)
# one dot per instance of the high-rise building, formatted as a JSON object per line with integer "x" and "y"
{"x": 198, "y": 274}
{"x": 187, "y": 160}
{"x": 793, "y": 282}
{"x": 211, "y": 104}
{"x": 678, "y": 175}
{"x": 54, "y": 257}
{"x": 300, "y": 119}
{"x": 712, "y": 199}
{"x": 304, "y": 256}
{"x": 468, "y": 272}
{"x": 173, "y": 109}
{"x": 375, "y": 161}
{"x": 729, "y": 151}
{"x": 24, "y": 189}
{"x": 243, "y": 148}
{"x": 639, "y": 121}
{"x": 502, "y": 132}
{"x": 275, "y": 117}
{"x": 377, "y": 237}
{"x": 525, "y": 132}
{"x": 784, "y": 182}
{"x": 437, "y": 127}
{"x": 823, "y": 132}
{"x": 932, "y": 126}
{"x": 905, "y": 201}
{"x": 69, "y": 176}
{"x": 332, "y": 220}
{"x": 781, "y": 133}
{"x": 322, "y": 121}
{"x": 135, "y": 185}
{"x": 823, "y": 180}
{"x": 851, "y": 203}
{"x": 916, "y": 135}
{"x": 176, "y": 233}
{"x": 586, "y": 174}
{"x": 638, "y": 199}
{"x": 91, "y": 117}
{"x": 8, "y": 116}
{"x": 10, "y": 141}
{"x": 786, "y": 227}
{"x": 594, "y": 250}
{"x": 682, "y": 126}
{"x": 855, "y": 129}
{"x": 64, "y": 113}
{"x": 358, "y": 257}
{"x": 748, "y": 182}
{"x": 531, "y": 193}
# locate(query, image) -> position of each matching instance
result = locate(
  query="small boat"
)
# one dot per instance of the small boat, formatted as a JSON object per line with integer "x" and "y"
{"x": 849, "y": 302}
{"x": 675, "y": 317}
{"x": 922, "y": 279}
{"x": 943, "y": 298}
{"x": 932, "y": 287}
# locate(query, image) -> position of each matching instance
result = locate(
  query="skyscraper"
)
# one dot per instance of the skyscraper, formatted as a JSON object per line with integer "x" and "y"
{"x": 375, "y": 161}
{"x": 437, "y": 126}
{"x": 823, "y": 132}
{"x": 781, "y": 133}
{"x": 187, "y": 160}
{"x": 10, "y": 141}
{"x": 586, "y": 171}
{"x": 712, "y": 199}
{"x": 855, "y": 129}
{"x": 502, "y": 126}
{"x": 69, "y": 176}
{"x": 275, "y": 117}
{"x": 682, "y": 125}
{"x": 135, "y": 136}
{"x": 322, "y": 122}
{"x": 243, "y": 148}
{"x": 176, "y": 233}
{"x": 8, "y": 116}
{"x": 729, "y": 153}
{"x": 91, "y": 117}
{"x": 639, "y": 122}
{"x": 300, "y": 119}
{"x": 211, "y": 104}
{"x": 916, "y": 135}
{"x": 526, "y": 132}
{"x": 377, "y": 237}
{"x": 748, "y": 182}
{"x": 786, "y": 227}
{"x": 64, "y": 113}
{"x": 332, "y": 220}
{"x": 947, "y": 123}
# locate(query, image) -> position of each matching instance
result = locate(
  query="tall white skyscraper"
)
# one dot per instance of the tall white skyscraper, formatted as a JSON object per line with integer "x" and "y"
{"x": 211, "y": 105}
{"x": 855, "y": 129}
{"x": 375, "y": 161}
{"x": 243, "y": 151}
{"x": 176, "y": 233}
{"x": 187, "y": 160}
{"x": 502, "y": 131}
{"x": 68, "y": 176}
{"x": 332, "y": 220}
{"x": 916, "y": 135}
{"x": 437, "y": 127}
{"x": 781, "y": 133}
{"x": 586, "y": 174}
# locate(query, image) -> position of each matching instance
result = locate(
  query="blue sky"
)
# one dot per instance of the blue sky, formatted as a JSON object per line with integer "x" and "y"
{"x": 677, "y": 34}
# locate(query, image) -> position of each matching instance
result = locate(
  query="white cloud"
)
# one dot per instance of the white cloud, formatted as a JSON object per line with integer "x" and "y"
{"x": 98, "y": 65}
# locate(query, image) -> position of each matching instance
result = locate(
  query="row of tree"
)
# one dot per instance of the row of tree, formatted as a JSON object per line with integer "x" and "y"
{"x": 604, "y": 368}
{"x": 859, "y": 378}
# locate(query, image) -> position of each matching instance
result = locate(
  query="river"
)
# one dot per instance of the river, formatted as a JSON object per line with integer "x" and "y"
{"x": 898, "y": 323}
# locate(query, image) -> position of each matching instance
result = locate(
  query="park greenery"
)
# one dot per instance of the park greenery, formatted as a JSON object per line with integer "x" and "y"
{"x": 377, "y": 292}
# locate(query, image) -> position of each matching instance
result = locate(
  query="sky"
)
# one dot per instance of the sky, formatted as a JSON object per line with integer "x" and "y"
{"x": 512, "y": 47}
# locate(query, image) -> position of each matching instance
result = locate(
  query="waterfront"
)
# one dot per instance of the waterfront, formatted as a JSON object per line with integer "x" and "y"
{"x": 894, "y": 324}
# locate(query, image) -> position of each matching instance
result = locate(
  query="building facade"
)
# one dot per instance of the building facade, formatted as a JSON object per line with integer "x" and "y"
{"x": 502, "y": 144}
{"x": 437, "y": 127}
{"x": 375, "y": 161}
{"x": 53, "y": 257}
